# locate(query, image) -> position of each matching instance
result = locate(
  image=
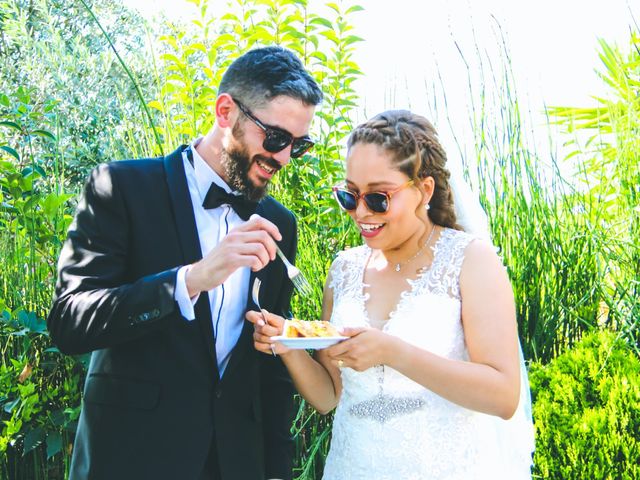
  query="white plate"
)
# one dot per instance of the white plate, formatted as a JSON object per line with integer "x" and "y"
{"x": 315, "y": 343}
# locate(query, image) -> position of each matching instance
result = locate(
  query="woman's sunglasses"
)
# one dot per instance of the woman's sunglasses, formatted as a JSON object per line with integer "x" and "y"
{"x": 377, "y": 202}
{"x": 276, "y": 139}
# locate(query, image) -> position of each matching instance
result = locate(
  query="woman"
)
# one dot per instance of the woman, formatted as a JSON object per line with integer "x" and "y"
{"x": 431, "y": 372}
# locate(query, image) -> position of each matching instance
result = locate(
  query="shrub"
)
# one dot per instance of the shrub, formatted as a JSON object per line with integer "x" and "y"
{"x": 586, "y": 407}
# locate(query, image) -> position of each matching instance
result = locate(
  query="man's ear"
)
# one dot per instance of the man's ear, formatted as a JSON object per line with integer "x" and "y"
{"x": 225, "y": 108}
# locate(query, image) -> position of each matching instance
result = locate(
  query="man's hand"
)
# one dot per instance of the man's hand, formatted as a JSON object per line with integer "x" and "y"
{"x": 263, "y": 332}
{"x": 249, "y": 245}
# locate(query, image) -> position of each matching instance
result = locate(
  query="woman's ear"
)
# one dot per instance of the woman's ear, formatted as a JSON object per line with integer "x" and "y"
{"x": 225, "y": 106}
{"x": 428, "y": 186}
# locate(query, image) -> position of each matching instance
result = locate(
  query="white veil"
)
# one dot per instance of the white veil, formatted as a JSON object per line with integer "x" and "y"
{"x": 514, "y": 437}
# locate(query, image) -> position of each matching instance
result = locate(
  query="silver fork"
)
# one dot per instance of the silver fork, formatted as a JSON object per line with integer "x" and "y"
{"x": 255, "y": 294}
{"x": 295, "y": 275}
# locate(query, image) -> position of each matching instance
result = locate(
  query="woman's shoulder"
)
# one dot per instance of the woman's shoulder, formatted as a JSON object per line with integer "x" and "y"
{"x": 479, "y": 256}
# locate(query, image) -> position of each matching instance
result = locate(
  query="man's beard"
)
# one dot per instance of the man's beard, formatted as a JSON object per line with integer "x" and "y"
{"x": 236, "y": 164}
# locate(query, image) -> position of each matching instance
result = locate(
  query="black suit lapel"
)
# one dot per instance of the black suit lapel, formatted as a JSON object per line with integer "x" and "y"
{"x": 188, "y": 235}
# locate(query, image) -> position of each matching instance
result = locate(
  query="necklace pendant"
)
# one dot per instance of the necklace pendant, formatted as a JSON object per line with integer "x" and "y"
{"x": 397, "y": 267}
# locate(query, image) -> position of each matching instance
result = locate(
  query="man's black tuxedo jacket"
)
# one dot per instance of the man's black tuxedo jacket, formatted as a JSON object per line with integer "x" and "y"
{"x": 153, "y": 398}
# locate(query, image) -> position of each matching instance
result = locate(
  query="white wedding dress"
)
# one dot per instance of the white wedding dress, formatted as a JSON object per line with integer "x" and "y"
{"x": 387, "y": 427}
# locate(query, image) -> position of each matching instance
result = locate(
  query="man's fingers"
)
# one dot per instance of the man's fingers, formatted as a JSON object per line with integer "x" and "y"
{"x": 236, "y": 240}
{"x": 255, "y": 318}
{"x": 256, "y": 222}
{"x": 262, "y": 338}
{"x": 265, "y": 224}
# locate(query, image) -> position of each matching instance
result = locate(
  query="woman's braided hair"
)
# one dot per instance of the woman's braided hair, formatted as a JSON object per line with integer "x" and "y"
{"x": 413, "y": 144}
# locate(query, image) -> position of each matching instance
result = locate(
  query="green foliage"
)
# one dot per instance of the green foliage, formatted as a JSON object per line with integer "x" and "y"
{"x": 606, "y": 158}
{"x": 37, "y": 384}
{"x": 54, "y": 50}
{"x": 558, "y": 251}
{"x": 586, "y": 407}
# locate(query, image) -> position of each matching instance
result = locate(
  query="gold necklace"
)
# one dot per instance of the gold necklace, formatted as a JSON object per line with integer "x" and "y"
{"x": 400, "y": 264}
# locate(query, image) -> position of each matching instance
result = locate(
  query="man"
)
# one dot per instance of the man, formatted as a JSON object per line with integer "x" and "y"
{"x": 154, "y": 279}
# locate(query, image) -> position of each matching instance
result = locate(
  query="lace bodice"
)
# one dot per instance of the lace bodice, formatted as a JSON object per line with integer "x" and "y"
{"x": 386, "y": 426}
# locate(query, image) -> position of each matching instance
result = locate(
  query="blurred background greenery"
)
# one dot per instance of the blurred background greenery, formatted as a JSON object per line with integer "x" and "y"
{"x": 91, "y": 81}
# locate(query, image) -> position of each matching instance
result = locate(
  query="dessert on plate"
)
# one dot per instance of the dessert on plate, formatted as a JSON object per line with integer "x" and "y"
{"x": 309, "y": 329}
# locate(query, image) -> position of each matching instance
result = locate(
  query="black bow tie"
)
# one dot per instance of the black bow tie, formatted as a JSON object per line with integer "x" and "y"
{"x": 216, "y": 196}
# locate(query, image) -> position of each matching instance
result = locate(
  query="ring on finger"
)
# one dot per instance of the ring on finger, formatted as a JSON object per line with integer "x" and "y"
{"x": 273, "y": 349}
{"x": 340, "y": 363}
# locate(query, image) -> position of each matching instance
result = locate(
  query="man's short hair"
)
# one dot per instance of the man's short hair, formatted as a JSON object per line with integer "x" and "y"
{"x": 262, "y": 74}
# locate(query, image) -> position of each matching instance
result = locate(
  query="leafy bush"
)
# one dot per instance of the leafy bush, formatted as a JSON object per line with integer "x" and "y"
{"x": 586, "y": 407}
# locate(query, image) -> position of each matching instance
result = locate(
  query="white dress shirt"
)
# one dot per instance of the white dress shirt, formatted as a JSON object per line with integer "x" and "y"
{"x": 227, "y": 301}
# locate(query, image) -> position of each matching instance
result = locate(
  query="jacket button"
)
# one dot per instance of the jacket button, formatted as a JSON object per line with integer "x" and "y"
{"x": 218, "y": 392}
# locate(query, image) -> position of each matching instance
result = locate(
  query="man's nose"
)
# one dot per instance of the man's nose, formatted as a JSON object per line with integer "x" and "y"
{"x": 283, "y": 157}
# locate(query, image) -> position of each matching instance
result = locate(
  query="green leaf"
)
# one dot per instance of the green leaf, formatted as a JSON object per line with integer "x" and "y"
{"x": 322, "y": 21}
{"x": 156, "y": 104}
{"x": 199, "y": 46}
{"x": 334, "y": 7}
{"x": 14, "y": 125}
{"x": 32, "y": 439}
{"x": 44, "y": 133}
{"x": 10, "y": 151}
{"x": 9, "y": 406}
{"x": 32, "y": 322}
{"x": 52, "y": 203}
{"x": 54, "y": 444}
{"x": 355, "y": 8}
{"x": 31, "y": 171}
{"x": 353, "y": 39}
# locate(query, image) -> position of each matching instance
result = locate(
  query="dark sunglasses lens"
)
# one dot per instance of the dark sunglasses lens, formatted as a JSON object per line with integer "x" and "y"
{"x": 377, "y": 202}
{"x": 300, "y": 147}
{"x": 346, "y": 199}
{"x": 276, "y": 141}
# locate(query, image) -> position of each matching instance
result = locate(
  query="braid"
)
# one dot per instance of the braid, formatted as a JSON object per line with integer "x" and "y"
{"x": 413, "y": 144}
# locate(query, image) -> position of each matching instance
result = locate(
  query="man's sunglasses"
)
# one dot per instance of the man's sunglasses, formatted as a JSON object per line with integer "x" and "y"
{"x": 276, "y": 139}
{"x": 377, "y": 202}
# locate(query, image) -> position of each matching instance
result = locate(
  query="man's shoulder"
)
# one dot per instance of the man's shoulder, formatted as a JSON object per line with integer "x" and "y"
{"x": 144, "y": 165}
{"x": 134, "y": 165}
{"x": 127, "y": 176}
{"x": 132, "y": 170}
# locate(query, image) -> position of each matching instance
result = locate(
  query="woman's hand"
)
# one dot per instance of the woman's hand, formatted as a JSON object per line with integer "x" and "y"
{"x": 366, "y": 347}
{"x": 263, "y": 332}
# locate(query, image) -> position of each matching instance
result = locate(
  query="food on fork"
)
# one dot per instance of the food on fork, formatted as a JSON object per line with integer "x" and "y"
{"x": 309, "y": 328}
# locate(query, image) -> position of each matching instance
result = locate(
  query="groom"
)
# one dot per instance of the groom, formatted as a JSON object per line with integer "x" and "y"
{"x": 154, "y": 280}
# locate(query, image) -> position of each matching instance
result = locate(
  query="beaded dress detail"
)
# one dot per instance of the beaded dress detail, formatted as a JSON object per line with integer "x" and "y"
{"x": 387, "y": 427}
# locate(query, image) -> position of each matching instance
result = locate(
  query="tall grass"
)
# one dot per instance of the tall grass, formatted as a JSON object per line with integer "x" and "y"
{"x": 550, "y": 233}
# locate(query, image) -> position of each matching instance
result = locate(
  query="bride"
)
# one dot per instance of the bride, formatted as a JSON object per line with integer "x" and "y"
{"x": 430, "y": 383}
